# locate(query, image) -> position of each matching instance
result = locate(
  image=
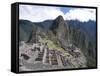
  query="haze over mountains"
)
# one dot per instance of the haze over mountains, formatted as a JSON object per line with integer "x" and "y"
{"x": 63, "y": 35}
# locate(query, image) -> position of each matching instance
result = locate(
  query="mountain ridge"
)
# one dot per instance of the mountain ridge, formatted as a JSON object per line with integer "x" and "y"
{"x": 62, "y": 33}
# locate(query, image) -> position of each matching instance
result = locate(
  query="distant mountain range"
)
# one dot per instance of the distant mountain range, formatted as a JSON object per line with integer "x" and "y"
{"x": 63, "y": 33}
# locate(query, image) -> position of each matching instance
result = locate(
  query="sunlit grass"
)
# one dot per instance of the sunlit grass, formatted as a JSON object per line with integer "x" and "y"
{"x": 51, "y": 44}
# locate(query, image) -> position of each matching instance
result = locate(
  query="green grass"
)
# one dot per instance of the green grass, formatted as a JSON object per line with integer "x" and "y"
{"x": 51, "y": 44}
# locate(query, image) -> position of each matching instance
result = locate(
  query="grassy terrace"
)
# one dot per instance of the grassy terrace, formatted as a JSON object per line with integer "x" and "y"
{"x": 51, "y": 44}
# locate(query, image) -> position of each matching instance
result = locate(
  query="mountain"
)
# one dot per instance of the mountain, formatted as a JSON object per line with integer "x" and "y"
{"x": 89, "y": 28}
{"x": 61, "y": 35}
{"x": 61, "y": 31}
{"x": 59, "y": 27}
{"x": 25, "y": 29}
{"x": 46, "y": 24}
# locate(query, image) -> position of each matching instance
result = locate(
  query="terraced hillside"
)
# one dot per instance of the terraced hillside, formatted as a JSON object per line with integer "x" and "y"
{"x": 40, "y": 56}
{"x": 56, "y": 46}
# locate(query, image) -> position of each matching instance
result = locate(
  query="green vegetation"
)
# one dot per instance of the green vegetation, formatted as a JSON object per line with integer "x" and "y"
{"x": 91, "y": 62}
{"x": 51, "y": 44}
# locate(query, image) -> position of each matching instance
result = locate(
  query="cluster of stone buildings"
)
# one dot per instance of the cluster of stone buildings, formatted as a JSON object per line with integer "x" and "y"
{"x": 45, "y": 55}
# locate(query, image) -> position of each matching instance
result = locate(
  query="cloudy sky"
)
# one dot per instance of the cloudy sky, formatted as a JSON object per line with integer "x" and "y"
{"x": 41, "y": 13}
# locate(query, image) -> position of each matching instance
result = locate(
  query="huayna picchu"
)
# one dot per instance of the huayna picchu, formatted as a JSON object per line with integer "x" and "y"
{"x": 60, "y": 45}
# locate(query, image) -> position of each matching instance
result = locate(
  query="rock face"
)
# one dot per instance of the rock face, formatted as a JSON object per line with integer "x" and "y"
{"x": 58, "y": 46}
{"x": 60, "y": 29}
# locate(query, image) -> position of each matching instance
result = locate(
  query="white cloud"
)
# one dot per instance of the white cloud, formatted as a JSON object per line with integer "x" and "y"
{"x": 38, "y": 13}
{"x": 41, "y": 13}
{"x": 82, "y": 14}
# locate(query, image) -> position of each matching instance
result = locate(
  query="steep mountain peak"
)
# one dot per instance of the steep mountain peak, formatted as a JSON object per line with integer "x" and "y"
{"x": 59, "y": 21}
{"x": 60, "y": 28}
{"x": 59, "y": 18}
